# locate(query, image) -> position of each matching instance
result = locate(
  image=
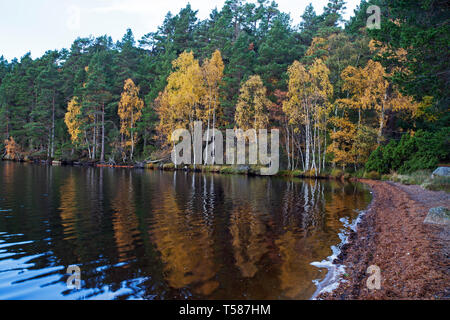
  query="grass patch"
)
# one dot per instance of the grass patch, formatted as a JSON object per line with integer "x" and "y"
{"x": 422, "y": 178}
{"x": 227, "y": 170}
{"x": 373, "y": 175}
{"x": 211, "y": 168}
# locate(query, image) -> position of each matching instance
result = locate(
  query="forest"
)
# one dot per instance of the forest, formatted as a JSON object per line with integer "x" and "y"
{"x": 344, "y": 97}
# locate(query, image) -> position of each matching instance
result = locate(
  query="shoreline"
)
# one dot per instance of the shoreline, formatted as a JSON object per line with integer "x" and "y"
{"x": 250, "y": 170}
{"x": 334, "y": 270}
{"x": 389, "y": 233}
{"x": 413, "y": 256}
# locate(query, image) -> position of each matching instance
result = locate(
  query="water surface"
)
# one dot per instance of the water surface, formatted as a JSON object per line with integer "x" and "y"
{"x": 139, "y": 234}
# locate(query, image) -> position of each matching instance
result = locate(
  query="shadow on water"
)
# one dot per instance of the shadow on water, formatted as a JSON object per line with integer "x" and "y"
{"x": 157, "y": 235}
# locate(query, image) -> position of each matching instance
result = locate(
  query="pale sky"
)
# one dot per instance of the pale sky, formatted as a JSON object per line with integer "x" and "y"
{"x": 40, "y": 25}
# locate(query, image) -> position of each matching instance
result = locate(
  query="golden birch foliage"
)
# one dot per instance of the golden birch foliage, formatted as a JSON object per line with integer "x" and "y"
{"x": 369, "y": 90}
{"x": 12, "y": 148}
{"x": 399, "y": 102}
{"x": 308, "y": 92}
{"x": 73, "y": 120}
{"x": 299, "y": 91}
{"x": 322, "y": 92}
{"x": 185, "y": 86}
{"x": 423, "y": 109}
{"x": 318, "y": 48}
{"x": 212, "y": 73}
{"x": 377, "y": 85}
{"x": 169, "y": 119}
{"x": 252, "y": 106}
{"x": 130, "y": 110}
{"x": 342, "y": 146}
{"x": 321, "y": 85}
{"x": 367, "y": 86}
{"x": 178, "y": 106}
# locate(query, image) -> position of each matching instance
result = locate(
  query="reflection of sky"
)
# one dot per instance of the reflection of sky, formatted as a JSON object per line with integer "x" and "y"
{"x": 42, "y": 25}
{"x": 49, "y": 283}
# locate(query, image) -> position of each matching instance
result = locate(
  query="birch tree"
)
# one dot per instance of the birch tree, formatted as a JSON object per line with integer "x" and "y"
{"x": 129, "y": 111}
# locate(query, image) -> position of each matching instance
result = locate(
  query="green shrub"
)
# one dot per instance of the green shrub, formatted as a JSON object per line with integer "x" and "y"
{"x": 359, "y": 173}
{"x": 373, "y": 175}
{"x": 424, "y": 150}
{"x": 298, "y": 173}
{"x": 337, "y": 173}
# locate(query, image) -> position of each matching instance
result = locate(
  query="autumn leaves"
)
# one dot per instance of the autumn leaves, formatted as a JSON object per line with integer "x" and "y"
{"x": 191, "y": 94}
{"x": 317, "y": 128}
{"x": 307, "y": 108}
{"x": 130, "y": 110}
{"x": 82, "y": 122}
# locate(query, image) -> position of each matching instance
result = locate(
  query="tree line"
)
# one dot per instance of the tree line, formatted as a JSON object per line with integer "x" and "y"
{"x": 337, "y": 90}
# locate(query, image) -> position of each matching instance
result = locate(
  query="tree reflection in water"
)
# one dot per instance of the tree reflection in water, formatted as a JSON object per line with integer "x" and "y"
{"x": 140, "y": 234}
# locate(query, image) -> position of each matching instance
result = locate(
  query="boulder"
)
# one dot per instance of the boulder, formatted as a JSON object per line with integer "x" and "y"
{"x": 441, "y": 171}
{"x": 439, "y": 215}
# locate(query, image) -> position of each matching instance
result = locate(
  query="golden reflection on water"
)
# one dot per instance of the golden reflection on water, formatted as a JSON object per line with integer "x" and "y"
{"x": 182, "y": 235}
{"x": 249, "y": 243}
{"x": 124, "y": 219}
{"x": 68, "y": 207}
{"x": 184, "y": 243}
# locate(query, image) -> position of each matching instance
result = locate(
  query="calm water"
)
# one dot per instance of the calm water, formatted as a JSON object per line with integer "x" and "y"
{"x": 140, "y": 234}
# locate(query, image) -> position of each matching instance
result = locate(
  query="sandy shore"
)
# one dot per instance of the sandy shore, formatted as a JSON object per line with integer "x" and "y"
{"x": 413, "y": 257}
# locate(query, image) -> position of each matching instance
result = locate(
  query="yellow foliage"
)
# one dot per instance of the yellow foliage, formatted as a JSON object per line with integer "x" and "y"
{"x": 342, "y": 146}
{"x": 178, "y": 106}
{"x": 309, "y": 93}
{"x": 369, "y": 89}
{"x": 212, "y": 74}
{"x": 422, "y": 109}
{"x": 73, "y": 120}
{"x": 130, "y": 111}
{"x": 185, "y": 86}
{"x": 13, "y": 150}
{"x": 318, "y": 48}
{"x": 251, "y": 109}
{"x": 299, "y": 91}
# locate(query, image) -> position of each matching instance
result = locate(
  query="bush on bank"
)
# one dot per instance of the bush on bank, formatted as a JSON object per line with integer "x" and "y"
{"x": 423, "y": 150}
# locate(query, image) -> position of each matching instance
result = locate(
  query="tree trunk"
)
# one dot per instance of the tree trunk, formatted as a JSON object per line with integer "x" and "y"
{"x": 102, "y": 156}
{"x": 207, "y": 132}
{"x": 132, "y": 137}
{"x": 52, "y": 153}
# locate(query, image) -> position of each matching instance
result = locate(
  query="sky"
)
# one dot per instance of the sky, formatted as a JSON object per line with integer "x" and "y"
{"x": 41, "y": 25}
